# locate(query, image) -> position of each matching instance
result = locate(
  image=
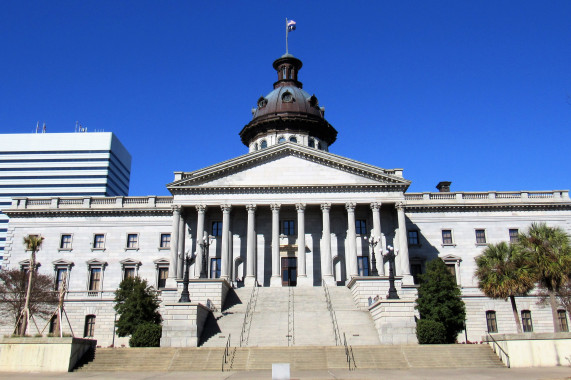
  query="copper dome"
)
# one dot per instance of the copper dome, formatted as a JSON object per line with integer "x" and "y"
{"x": 288, "y": 108}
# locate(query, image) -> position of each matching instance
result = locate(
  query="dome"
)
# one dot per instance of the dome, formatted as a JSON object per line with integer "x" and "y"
{"x": 288, "y": 108}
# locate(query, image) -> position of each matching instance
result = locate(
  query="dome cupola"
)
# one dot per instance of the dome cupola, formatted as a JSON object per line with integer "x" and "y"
{"x": 288, "y": 113}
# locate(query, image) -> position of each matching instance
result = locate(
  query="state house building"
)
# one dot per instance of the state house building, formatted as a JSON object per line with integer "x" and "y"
{"x": 288, "y": 213}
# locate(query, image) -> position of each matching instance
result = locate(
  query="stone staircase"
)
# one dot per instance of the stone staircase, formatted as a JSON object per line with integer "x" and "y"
{"x": 300, "y": 358}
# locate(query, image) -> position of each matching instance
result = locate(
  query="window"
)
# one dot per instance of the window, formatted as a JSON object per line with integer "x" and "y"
{"x": 281, "y": 139}
{"x": 99, "y": 241}
{"x": 53, "y": 325}
{"x": 216, "y": 228}
{"x": 132, "y": 241}
{"x": 65, "y": 241}
{"x": 89, "y": 330}
{"x": 363, "y": 265}
{"x": 288, "y": 227}
{"x": 415, "y": 271}
{"x": 61, "y": 276}
{"x": 453, "y": 264}
{"x": 162, "y": 277}
{"x": 526, "y": 321}
{"x": 480, "y": 236}
{"x": 452, "y": 269}
{"x": 311, "y": 143}
{"x": 165, "y": 241}
{"x": 130, "y": 268}
{"x": 491, "y": 321}
{"x": 293, "y": 139}
{"x": 215, "y": 267}
{"x": 95, "y": 279}
{"x": 128, "y": 272}
{"x": 412, "y": 237}
{"x": 447, "y": 237}
{"x": 562, "y": 319}
{"x": 361, "y": 227}
{"x": 514, "y": 234}
{"x": 263, "y": 144}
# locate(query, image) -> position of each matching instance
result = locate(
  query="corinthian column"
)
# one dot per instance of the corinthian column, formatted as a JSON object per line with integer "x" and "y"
{"x": 351, "y": 258}
{"x": 224, "y": 246}
{"x": 302, "y": 275}
{"x": 403, "y": 242}
{"x": 250, "y": 279}
{"x": 276, "y": 278}
{"x": 173, "y": 265}
{"x": 201, "y": 211}
{"x": 326, "y": 268}
{"x": 181, "y": 253}
{"x": 376, "y": 209}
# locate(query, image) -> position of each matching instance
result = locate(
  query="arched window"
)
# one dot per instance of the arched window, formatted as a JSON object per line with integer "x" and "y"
{"x": 311, "y": 143}
{"x": 281, "y": 139}
{"x": 89, "y": 329}
{"x": 293, "y": 139}
{"x": 491, "y": 321}
{"x": 263, "y": 144}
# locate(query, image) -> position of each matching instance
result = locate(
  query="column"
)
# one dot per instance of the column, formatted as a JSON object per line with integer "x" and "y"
{"x": 276, "y": 278}
{"x": 250, "y": 279}
{"x": 327, "y": 268}
{"x": 173, "y": 265}
{"x": 351, "y": 251}
{"x": 181, "y": 253}
{"x": 376, "y": 209}
{"x": 403, "y": 242}
{"x": 301, "y": 271}
{"x": 201, "y": 211}
{"x": 224, "y": 249}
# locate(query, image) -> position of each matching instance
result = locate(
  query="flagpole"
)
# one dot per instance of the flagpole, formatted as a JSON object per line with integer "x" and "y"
{"x": 286, "y": 37}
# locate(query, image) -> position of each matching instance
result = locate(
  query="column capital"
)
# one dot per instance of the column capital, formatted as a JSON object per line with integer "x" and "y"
{"x": 176, "y": 208}
{"x": 275, "y": 206}
{"x": 400, "y": 205}
{"x": 300, "y": 207}
{"x": 326, "y": 206}
{"x": 226, "y": 208}
{"x": 201, "y": 208}
{"x": 350, "y": 206}
{"x": 251, "y": 208}
{"x": 375, "y": 206}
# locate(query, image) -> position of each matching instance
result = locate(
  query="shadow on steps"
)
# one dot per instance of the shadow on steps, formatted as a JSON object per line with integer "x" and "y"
{"x": 211, "y": 328}
{"x": 232, "y": 299}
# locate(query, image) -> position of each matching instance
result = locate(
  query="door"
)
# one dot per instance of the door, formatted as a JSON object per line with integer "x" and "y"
{"x": 289, "y": 271}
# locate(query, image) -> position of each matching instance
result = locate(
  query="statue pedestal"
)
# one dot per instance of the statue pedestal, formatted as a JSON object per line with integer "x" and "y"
{"x": 183, "y": 324}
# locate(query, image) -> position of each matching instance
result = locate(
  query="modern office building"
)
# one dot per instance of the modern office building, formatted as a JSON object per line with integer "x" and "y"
{"x": 60, "y": 164}
{"x": 288, "y": 217}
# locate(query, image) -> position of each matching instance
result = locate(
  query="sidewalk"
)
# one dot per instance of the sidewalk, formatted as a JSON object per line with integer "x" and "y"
{"x": 550, "y": 373}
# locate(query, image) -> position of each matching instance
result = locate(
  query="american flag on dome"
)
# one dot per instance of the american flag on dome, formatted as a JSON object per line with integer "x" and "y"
{"x": 290, "y": 25}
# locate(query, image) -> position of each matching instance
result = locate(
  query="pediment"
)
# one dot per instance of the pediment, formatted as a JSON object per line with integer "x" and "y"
{"x": 451, "y": 258}
{"x": 288, "y": 165}
{"x": 62, "y": 262}
{"x": 96, "y": 262}
{"x": 130, "y": 262}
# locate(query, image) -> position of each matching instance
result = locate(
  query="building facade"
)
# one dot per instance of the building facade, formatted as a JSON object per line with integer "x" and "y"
{"x": 60, "y": 164}
{"x": 287, "y": 213}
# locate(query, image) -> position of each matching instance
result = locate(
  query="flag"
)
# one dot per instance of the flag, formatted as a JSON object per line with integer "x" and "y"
{"x": 290, "y": 25}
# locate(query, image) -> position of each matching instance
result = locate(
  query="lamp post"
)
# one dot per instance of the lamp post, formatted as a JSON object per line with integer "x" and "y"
{"x": 373, "y": 241}
{"x": 185, "y": 295}
{"x": 391, "y": 254}
{"x": 204, "y": 245}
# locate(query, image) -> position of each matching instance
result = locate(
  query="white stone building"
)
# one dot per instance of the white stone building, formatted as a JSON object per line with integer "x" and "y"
{"x": 287, "y": 213}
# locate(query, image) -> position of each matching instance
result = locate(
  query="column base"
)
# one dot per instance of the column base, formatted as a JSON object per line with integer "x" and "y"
{"x": 171, "y": 283}
{"x": 304, "y": 281}
{"x": 329, "y": 280}
{"x": 250, "y": 281}
{"x": 407, "y": 279}
{"x": 276, "y": 282}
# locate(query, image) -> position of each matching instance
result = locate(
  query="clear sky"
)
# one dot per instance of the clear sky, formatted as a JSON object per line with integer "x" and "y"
{"x": 473, "y": 92}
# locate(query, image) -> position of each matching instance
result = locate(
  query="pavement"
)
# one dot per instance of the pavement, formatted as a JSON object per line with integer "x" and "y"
{"x": 548, "y": 373}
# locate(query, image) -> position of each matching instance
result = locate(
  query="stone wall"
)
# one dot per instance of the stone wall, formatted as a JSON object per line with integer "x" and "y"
{"x": 395, "y": 321}
{"x": 183, "y": 324}
{"x": 533, "y": 350}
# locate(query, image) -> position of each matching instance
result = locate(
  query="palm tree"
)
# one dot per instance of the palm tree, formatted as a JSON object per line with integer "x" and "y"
{"x": 504, "y": 272}
{"x": 549, "y": 249}
{"x": 33, "y": 244}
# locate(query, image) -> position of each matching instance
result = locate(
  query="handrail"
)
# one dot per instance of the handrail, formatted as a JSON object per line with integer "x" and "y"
{"x": 291, "y": 317}
{"x": 226, "y": 353}
{"x": 248, "y": 316}
{"x": 332, "y": 315}
{"x": 349, "y": 354}
{"x": 501, "y": 349}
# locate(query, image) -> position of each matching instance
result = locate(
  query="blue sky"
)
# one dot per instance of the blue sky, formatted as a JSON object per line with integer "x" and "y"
{"x": 474, "y": 92}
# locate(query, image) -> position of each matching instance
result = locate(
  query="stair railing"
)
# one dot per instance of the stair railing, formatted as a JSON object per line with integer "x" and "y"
{"x": 244, "y": 334}
{"x": 226, "y": 353}
{"x": 332, "y": 315}
{"x": 290, "y": 318}
{"x": 349, "y": 354}
{"x": 501, "y": 354}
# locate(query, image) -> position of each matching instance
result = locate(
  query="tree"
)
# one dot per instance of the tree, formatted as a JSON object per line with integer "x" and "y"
{"x": 13, "y": 291}
{"x": 550, "y": 255}
{"x": 32, "y": 244}
{"x": 505, "y": 272}
{"x": 439, "y": 299}
{"x": 136, "y": 302}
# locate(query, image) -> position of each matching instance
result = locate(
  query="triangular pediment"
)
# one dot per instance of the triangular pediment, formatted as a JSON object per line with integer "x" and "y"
{"x": 289, "y": 165}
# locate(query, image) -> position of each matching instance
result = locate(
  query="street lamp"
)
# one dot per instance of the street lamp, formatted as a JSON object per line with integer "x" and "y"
{"x": 373, "y": 241}
{"x": 204, "y": 245}
{"x": 391, "y": 254}
{"x": 185, "y": 295}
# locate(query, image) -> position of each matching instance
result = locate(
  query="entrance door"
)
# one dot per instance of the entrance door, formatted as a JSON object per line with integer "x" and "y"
{"x": 289, "y": 271}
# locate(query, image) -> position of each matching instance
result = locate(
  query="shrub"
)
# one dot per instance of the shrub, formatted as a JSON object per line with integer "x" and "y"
{"x": 146, "y": 335}
{"x": 430, "y": 332}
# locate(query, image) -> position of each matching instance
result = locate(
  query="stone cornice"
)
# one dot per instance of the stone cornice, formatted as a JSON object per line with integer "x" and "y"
{"x": 289, "y": 189}
{"x": 20, "y": 213}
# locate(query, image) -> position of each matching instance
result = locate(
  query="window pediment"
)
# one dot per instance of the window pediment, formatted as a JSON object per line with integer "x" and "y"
{"x": 96, "y": 262}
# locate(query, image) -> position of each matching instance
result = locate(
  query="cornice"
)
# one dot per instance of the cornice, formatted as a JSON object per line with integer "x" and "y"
{"x": 289, "y": 189}
{"x": 487, "y": 207}
{"x": 21, "y": 213}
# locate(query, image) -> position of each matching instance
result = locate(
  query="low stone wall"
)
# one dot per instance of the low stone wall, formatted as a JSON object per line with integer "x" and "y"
{"x": 183, "y": 324}
{"x": 42, "y": 354}
{"x": 533, "y": 349}
{"x": 377, "y": 288}
{"x": 209, "y": 292}
{"x": 395, "y": 321}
